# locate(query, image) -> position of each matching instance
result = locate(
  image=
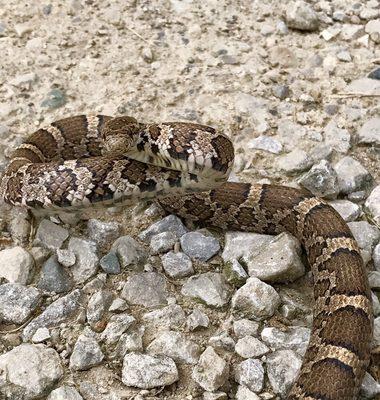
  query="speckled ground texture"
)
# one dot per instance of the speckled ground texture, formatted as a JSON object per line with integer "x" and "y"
{"x": 295, "y": 85}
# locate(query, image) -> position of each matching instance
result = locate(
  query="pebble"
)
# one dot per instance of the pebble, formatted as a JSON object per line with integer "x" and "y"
{"x": 301, "y": 16}
{"x": 147, "y": 289}
{"x": 376, "y": 257}
{"x": 17, "y": 302}
{"x": 176, "y": 346}
{"x": 348, "y": 210}
{"x": 177, "y": 265}
{"x": 294, "y": 338}
{"x": 338, "y": 138}
{"x": 22, "y": 29}
{"x": 59, "y": 311}
{"x": 352, "y": 176}
{"x": 199, "y": 246}
{"x": 212, "y": 371}
{"x": 168, "y": 317}
{"x": 370, "y": 388}
{"x": 372, "y": 204}
{"x": 282, "y": 368}
{"x": 256, "y": 300}
{"x": 250, "y": 347}
{"x": 101, "y": 232}
{"x": 41, "y": 335}
{"x": 214, "y": 396}
{"x": 367, "y": 236}
{"x": 24, "y": 81}
{"x": 54, "y": 99}
{"x": 210, "y": 288}
{"x": 17, "y": 380}
{"x": 321, "y": 180}
{"x": 296, "y": 161}
{"x": 245, "y": 327}
{"x": 196, "y": 320}
{"x": 86, "y": 354}
{"x": 350, "y": 32}
{"x": 344, "y": 55}
{"x": 65, "y": 393}
{"x": 129, "y": 251}
{"x": 16, "y": 265}
{"x": 87, "y": 261}
{"x": 373, "y": 29}
{"x": 375, "y": 74}
{"x": 171, "y": 223}
{"x": 98, "y": 306}
{"x": 130, "y": 341}
{"x": 250, "y": 373}
{"x": 369, "y": 133}
{"x": 330, "y": 33}
{"x": 110, "y": 263}
{"x": 66, "y": 257}
{"x": 234, "y": 273}
{"x": 146, "y": 371}
{"x": 283, "y": 57}
{"x": 162, "y": 242}
{"x": 223, "y": 341}
{"x": 243, "y": 393}
{"x": 117, "y": 325}
{"x": 54, "y": 277}
{"x": 374, "y": 280}
{"x": 266, "y": 143}
{"x": 51, "y": 235}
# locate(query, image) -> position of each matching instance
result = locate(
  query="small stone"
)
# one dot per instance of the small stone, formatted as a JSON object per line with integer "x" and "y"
{"x": 210, "y": 288}
{"x": 129, "y": 251}
{"x": 256, "y": 300}
{"x": 301, "y": 16}
{"x": 370, "y": 388}
{"x": 41, "y": 335}
{"x": 98, "y": 306}
{"x": 171, "y": 223}
{"x": 281, "y": 91}
{"x": 176, "y": 346}
{"x": 16, "y": 265}
{"x": 197, "y": 319}
{"x": 245, "y": 327}
{"x": 243, "y": 393}
{"x": 118, "y": 305}
{"x": 376, "y": 257}
{"x": 250, "y": 347}
{"x": 282, "y": 28}
{"x": 214, "y": 396}
{"x": 330, "y": 33}
{"x": 282, "y": 56}
{"x": 321, "y": 180}
{"x": 375, "y": 74}
{"x": 366, "y": 235}
{"x": 55, "y": 98}
{"x": 351, "y": 32}
{"x": 374, "y": 280}
{"x": 296, "y": 161}
{"x": 17, "y": 302}
{"x": 222, "y": 341}
{"x": 234, "y": 273}
{"x": 147, "y": 289}
{"x": 65, "y": 393}
{"x": 369, "y": 133}
{"x": 110, "y": 263}
{"x": 211, "y": 372}
{"x": 267, "y": 30}
{"x": 177, "y": 265}
{"x": 344, "y": 55}
{"x": 168, "y": 317}
{"x": 199, "y": 246}
{"x": 130, "y": 341}
{"x": 66, "y": 257}
{"x": 54, "y": 278}
{"x": 24, "y": 81}
{"x": 265, "y": 143}
{"x": 376, "y": 332}
{"x": 373, "y": 29}
{"x": 117, "y": 325}
{"x": 364, "y": 87}
{"x": 283, "y": 367}
{"x": 352, "y": 176}
{"x": 339, "y": 139}
{"x": 102, "y": 232}
{"x": 372, "y": 204}
{"x": 51, "y": 235}
{"x": 162, "y": 242}
{"x": 331, "y": 109}
{"x": 348, "y": 210}
{"x": 86, "y": 354}
{"x": 87, "y": 261}
{"x": 250, "y": 373}
{"x": 146, "y": 372}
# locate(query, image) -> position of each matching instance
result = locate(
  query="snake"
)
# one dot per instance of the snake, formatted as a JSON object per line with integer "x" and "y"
{"x": 98, "y": 161}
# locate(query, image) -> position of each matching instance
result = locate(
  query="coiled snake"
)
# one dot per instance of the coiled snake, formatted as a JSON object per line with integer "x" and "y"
{"x": 88, "y": 161}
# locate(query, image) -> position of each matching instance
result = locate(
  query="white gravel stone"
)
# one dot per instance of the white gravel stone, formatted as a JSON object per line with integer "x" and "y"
{"x": 171, "y": 223}
{"x": 348, "y": 210}
{"x": 177, "y": 265}
{"x": 367, "y": 236}
{"x": 211, "y": 372}
{"x": 146, "y": 372}
{"x": 296, "y": 161}
{"x": 369, "y": 133}
{"x": 86, "y": 354}
{"x": 101, "y": 232}
{"x": 129, "y": 251}
{"x": 372, "y": 204}
{"x": 199, "y": 246}
{"x": 130, "y": 341}
{"x": 338, "y": 138}
{"x": 98, "y": 305}
{"x": 376, "y": 256}
{"x": 162, "y": 242}
{"x": 87, "y": 261}
{"x": 245, "y": 327}
{"x": 29, "y": 372}
{"x": 370, "y": 388}
{"x": 266, "y": 143}
{"x": 66, "y": 257}
{"x": 41, "y": 335}
{"x": 250, "y": 373}
{"x": 65, "y": 393}
{"x": 256, "y": 300}
{"x": 117, "y": 325}
{"x": 168, "y": 317}
{"x": 300, "y": 15}
{"x": 51, "y": 235}
{"x": 243, "y": 393}
{"x": 16, "y": 265}
{"x": 250, "y": 347}
{"x": 197, "y": 319}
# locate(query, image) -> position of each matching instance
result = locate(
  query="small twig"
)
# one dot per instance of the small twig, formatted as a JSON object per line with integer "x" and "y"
{"x": 139, "y": 36}
{"x": 18, "y": 328}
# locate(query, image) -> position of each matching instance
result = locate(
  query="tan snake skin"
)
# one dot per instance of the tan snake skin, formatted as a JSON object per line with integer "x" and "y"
{"x": 88, "y": 161}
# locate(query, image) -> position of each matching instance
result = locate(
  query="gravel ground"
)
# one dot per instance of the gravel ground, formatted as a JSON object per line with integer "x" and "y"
{"x": 104, "y": 302}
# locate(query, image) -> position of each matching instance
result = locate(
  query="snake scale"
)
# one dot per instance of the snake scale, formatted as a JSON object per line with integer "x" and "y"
{"x": 85, "y": 161}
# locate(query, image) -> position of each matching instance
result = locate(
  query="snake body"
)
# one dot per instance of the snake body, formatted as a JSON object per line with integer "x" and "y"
{"x": 88, "y": 161}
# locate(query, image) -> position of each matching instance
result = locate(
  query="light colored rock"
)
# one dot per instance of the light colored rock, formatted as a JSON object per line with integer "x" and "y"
{"x": 41, "y": 335}
{"x": 369, "y": 133}
{"x": 265, "y": 143}
{"x": 171, "y": 223}
{"x": 250, "y": 373}
{"x": 51, "y": 235}
{"x": 65, "y": 393}
{"x": 245, "y": 327}
{"x": 117, "y": 325}
{"x": 98, "y": 305}
{"x": 376, "y": 257}
{"x": 199, "y": 246}
{"x": 250, "y": 347}
{"x": 86, "y": 354}
{"x": 129, "y": 251}
{"x": 168, "y": 317}
{"x": 372, "y": 204}
{"x": 197, "y": 319}
{"x": 348, "y": 210}
{"x": 162, "y": 242}
{"x": 338, "y": 138}
{"x": 86, "y": 258}
{"x": 296, "y": 161}
{"x": 101, "y": 232}
{"x": 16, "y": 265}
{"x": 177, "y": 265}
{"x": 243, "y": 393}
{"x": 370, "y": 388}
{"x": 367, "y": 236}
{"x": 300, "y": 15}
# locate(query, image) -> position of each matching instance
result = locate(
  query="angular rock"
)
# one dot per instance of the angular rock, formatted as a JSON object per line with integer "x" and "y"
{"x": 300, "y": 15}
{"x": 266, "y": 143}
{"x": 177, "y": 265}
{"x": 54, "y": 277}
{"x": 245, "y": 327}
{"x": 243, "y": 393}
{"x": 369, "y": 133}
{"x": 372, "y": 204}
{"x": 131, "y": 341}
{"x": 66, "y": 257}
{"x": 86, "y": 354}
{"x": 197, "y": 319}
{"x": 171, "y": 223}
{"x": 65, "y": 393}
{"x": 129, "y": 251}
{"x": 87, "y": 260}
{"x": 102, "y": 232}
{"x": 250, "y": 347}
{"x": 41, "y": 335}
{"x": 117, "y": 325}
{"x": 51, "y": 235}
{"x": 98, "y": 305}
{"x": 168, "y": 317}
{"x": 367, "y": 236}
{"x": 250, "y": 373}
{"x": 376, "y": 257}
{"x": 348, "y": 210}
{"x": 110, "y": 263}
{"x": 162, "y": 242}
{"x": 16, "y": 265}
{"x": 295, "y": 161}
{"x": 370, "y": 388}
{"x": 199, "y": 246}
{"x": 339, "y": 139}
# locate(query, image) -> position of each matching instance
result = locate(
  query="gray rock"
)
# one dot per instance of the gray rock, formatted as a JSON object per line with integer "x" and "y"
{"x": 370, "y": 388}
{"x": 98, "y": 306}
{"x": 234, "y": 273}
{"x": 294, "y": 338}
{"x": 369, "y": 133}
{"x": 301, "y": 16}
{"x": 171, "y": 223}
{"x": 243, "y": 393}
{"x": 168, "y": 317}
{"x": 146, "y": 372}
{"x": 51, "y": 235}
{"x": 366, "y": 235}
{"x": 295, "y": 161}
{"x": 17, "y": 302}
{"x": 131, "y": 341}
{"x": 199, "y": 246}
{"x": 55, "y": 98}
{"x": 339, "y": 139}
{"x": 101, "y": 232}
{"x": 212, "y": 371}
{"x": 177, "y": 265}
{"x": 54, "y": 277}
{"x": 117, "y": 325}
{"x": 87, "y": 261}
{"x": 162, "y": 242}
{"x": 250, "y": 373}
{"x": 364, "y": 86}
{"x": 265, "y": 143}
{"x": 352, "y": 176}
{"x": 147, "y": 289}
{"x": 256, "y": 300}
{"x": 321, "y": 180}
{"x": 41, "y": 335}
{"x": 118, "y": 305}
{"x": 374, "y": 280}
{"x": 245, "y": 327}
{"x": 210, "y": 288}
{"x": 250, "y": 347}
{"x": 223, "y": 341}
{"x": 65, "y": 393}
{"x": 16, "y": 265}
{"x": 344, "y": 55}
{"x": 129, "y": 251}
{"x": 348, "y": 210}
{"x": 278, "y": 261}
{"x": 373, "y": 204}
{"x": 281, "y": 91}
{"x": 283, "y": 367}
{"x": 59, "y": 311}
{"x": 373, "y": 29}
{"x": 197, "y": 319}
{"x": 214, "y": 396}
{"x": 375, "y": 74}
{"x": 376, "y": 257}
{"x": 176, "y": 346}
{"x": 86, "y": 354}
{"x": 66, "y": 257}
{"x": 110, "y": 263}
{"x": 376, "y": 332}
{"x": 24, "y": 372}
